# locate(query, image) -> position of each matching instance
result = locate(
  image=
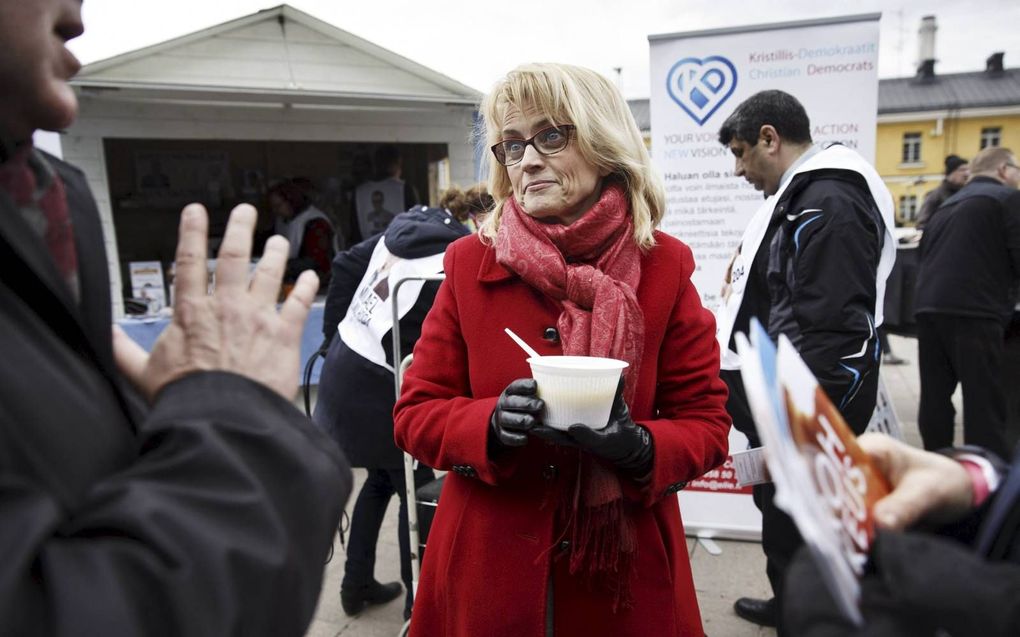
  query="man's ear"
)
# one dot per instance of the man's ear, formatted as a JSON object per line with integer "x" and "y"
{"x": 769, "y": 138}
{"x": 1003, "y": 171}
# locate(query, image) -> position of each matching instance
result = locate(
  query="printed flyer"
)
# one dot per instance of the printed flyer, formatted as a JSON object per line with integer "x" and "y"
{"x": 823, "y": 479}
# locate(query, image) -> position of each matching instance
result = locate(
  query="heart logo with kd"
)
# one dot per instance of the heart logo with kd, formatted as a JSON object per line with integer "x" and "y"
{"x": 701, "y": 86}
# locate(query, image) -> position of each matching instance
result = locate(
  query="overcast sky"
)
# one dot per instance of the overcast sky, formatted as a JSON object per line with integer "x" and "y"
{"x": 476, "y": 41}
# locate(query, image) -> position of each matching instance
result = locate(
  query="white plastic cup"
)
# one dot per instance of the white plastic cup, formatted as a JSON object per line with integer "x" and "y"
{"x": 576, "y": 389}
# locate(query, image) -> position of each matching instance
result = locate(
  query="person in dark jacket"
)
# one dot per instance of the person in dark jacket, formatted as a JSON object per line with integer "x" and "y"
{"x": 308, "y": 229}
{"x": 174, "y": 494}
{"x": 812, "y": 265}
{"x": 968, "y": 270}
{"x": 957, "y": 173}
{"x": 356, "y": 394}
{"x": 961, "y": 576}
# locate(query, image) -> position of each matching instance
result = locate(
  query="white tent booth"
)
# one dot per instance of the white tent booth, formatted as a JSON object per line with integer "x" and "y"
{"x": 218, "y": 115}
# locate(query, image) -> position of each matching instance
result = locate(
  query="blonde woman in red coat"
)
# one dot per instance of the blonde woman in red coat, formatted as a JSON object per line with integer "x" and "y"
{"x": 541, "y": 532}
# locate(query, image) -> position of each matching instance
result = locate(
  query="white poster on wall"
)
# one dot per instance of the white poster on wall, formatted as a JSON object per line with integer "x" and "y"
{"x": 147, "y": 284}
{"x": 698, "y": 79}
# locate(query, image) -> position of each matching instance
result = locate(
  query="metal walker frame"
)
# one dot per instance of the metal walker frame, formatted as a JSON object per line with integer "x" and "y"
{"x": 400, "y": 365}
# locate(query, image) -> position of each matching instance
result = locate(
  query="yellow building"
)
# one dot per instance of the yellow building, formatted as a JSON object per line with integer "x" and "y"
{"x": 924, "y": 118}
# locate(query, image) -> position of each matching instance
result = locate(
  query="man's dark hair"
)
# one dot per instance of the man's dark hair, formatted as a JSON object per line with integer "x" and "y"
{"x": 296, "y": 191}
{"x": 387, "y": 159}
{"x": 781, "y": 110}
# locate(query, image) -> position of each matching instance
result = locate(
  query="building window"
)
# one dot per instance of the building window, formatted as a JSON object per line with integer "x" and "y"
{"x": 911, "y": 148}
{"x": 990, "y": 137}
{"x": 908, "y": 207}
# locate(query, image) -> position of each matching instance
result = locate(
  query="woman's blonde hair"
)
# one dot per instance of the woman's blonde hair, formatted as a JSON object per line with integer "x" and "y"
{"x": 605, "y": 134}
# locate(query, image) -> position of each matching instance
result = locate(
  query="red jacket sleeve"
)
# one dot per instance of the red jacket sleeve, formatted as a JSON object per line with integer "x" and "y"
{"x": 690, "y": 426}
{"x": 436, "y": 420}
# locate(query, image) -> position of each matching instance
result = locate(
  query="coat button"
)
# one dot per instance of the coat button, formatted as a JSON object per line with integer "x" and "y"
{"x": 550, "y": 472}
{"x": 564, "y": 545}
{"x": 550, "y": 334}
{"x": 676, "y": 487}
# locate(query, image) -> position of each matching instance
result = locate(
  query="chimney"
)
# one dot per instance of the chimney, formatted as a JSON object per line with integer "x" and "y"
{"x": 994, "y": 64}
{"x": 926, "y": 48}
{"x": 925, "y": 71}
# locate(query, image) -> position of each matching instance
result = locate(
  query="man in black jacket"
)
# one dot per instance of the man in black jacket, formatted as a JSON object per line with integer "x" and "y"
{"x": 812, "y": 265}
{"x": 968, "y": 270}
{"x": 210, "y": 509}
{"x": 957, "y": 172}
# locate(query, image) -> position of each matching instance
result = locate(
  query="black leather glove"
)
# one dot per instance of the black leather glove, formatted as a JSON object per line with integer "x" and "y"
{"x": 517, "y": 412}
{"x": 621, "y": 442}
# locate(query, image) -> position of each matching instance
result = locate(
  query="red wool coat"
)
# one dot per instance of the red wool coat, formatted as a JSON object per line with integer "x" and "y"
{"x": 494, "y": 547}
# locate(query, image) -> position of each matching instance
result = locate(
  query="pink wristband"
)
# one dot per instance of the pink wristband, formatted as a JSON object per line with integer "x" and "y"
{"x": 977, "y": 479}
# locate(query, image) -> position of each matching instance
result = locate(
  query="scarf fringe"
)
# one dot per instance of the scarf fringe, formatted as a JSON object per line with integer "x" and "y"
{"x": 603, "y": 542}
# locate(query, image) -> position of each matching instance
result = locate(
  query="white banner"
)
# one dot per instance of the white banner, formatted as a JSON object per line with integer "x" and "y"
{"x": 698, "y": 79}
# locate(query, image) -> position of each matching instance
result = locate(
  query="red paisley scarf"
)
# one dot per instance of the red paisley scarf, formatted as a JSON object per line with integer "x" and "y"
{"x": 593, "y": 267}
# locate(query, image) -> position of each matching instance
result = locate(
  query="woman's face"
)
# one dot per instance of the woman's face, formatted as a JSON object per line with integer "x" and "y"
{"x": 557, "y": 188}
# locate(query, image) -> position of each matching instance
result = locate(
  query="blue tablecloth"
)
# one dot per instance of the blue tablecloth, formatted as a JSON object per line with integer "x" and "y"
{"x": 145, "y": 331}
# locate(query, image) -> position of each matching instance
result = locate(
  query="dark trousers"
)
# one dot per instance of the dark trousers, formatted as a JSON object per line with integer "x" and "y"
{"x": 968, "y": 351}
{"x": 883, "y": 340}
{"x": 367, "y": 518}
{"x": 780, "y": 539}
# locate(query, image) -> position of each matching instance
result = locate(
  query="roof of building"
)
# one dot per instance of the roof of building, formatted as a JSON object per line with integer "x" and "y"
{"x": 277, "y": 53}
{"x": 979, "y": 89}
{"x": 642, "y": 111}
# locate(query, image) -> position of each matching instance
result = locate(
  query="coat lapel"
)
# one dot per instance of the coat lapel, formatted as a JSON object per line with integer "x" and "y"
{"x": 95, "y": 312}
{"x": 26, "y": 245}
{"x": 28, "y": 269}
{"x": 490, "y": 270}
{"x": 27, "y": 266}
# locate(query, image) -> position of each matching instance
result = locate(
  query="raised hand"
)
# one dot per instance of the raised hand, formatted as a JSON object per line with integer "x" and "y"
{"x": 238, "y": 327}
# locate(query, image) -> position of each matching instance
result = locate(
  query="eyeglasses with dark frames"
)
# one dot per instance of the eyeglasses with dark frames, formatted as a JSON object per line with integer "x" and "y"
{"x": 547, "y": 141}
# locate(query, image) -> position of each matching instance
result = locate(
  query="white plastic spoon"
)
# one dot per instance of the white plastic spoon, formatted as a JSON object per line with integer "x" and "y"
{"x": 520, "y": 341}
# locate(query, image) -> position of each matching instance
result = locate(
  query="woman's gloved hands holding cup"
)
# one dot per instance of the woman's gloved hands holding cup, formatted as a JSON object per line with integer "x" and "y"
{"x": 518, "y": 411}
{"x": 622, "y": 442}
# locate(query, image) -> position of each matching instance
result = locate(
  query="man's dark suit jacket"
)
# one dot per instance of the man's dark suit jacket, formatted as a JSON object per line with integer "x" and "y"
{"x": 209, "y": 513}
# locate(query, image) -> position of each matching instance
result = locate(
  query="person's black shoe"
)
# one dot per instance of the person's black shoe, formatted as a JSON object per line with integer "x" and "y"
{"x": 892, "y": 359}
{"x": 355, "y": 600}
{"x": 757, "y": 611}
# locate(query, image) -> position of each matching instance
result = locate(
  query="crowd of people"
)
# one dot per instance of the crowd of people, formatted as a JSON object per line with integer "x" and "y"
{"x": 180, "y": 492}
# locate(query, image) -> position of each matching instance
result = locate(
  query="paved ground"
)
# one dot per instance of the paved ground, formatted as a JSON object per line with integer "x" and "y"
{"x": 739, "y": 569}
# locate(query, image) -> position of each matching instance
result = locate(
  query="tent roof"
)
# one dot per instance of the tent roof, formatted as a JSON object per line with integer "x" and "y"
{"x": 278, "y": 54}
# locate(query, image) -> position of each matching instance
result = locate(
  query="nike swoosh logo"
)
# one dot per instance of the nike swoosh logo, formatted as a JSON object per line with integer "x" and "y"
{"x": 802, "y": 213}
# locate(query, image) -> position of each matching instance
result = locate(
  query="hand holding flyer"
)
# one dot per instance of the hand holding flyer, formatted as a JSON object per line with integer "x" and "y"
{"x": 823, "y": 479}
